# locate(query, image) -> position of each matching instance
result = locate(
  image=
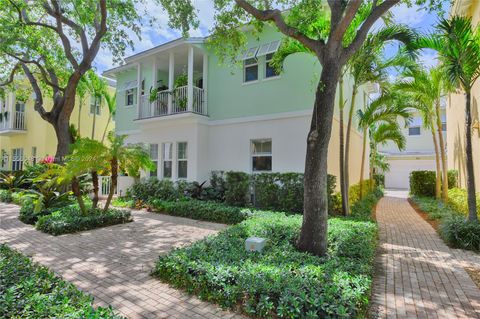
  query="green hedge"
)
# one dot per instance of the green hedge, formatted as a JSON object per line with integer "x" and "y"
{"x": 457, "y": 199}
{"x": 28, "y": 290}
{"x": 362, "y": 209}
{"x": 280, "y": 282}
{"x": 237, "y": 188}
{"x": 70, "y": 220}
{"x": 5, "y": 196}
{"x": 423, "y": 183}
{"x": 201, "y": 210}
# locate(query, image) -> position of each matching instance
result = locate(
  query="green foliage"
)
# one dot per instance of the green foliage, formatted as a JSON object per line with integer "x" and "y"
{"x": 5, "y": 196}
{"x": 153, "y": 188}
{"x": 218, "y": 185}
{"x": 201, "y": 210}
{"x": 69, "y": 220}
{"x": 452, "y": 179}
{"x": 363, "y": 208}
{"x": 124, "y": 202}
{"x": 354, "y": 191}
{"x": 435, "y": 209}
{"x": 457, "y": 199}
{"x": 29, "y": 290}
{"x": 422, "y": 183}
{"x": 461, "y": 233}
{"x": 14, "y": 181}
{"x": 379, "y": 179}
{"x": 28, "y": 212}
{"x": 237, "y": 188}
{"x": 281, "y": 281}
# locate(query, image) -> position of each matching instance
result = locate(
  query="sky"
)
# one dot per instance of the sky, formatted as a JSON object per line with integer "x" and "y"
{"x": 420, "y": 20}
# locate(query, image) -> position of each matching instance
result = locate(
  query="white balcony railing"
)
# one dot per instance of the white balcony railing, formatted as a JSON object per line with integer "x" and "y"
{"x": 16, "y": 123}
{"x": 179, "y": 103}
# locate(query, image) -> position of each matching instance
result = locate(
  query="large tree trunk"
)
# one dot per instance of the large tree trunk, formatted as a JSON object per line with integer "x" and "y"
{"x": 362, "y": 165}
{"x": 437, "y": 166}
{"x": 442, "y": 152}
{"x": 341, "y": 152}
{"x": 113, "y": 182}
{"x": 313, "y": 235}
{"x": 472, "y": 207}
{"x": 347, "y": 146}
{"x": 64, "y": 138}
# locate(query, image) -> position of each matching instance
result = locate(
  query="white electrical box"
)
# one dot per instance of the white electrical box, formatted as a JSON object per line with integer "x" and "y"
{"x": 255, "y": 244}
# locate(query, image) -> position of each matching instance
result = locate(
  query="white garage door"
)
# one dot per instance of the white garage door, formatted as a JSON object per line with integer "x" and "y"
{"x": 398, "y": 176}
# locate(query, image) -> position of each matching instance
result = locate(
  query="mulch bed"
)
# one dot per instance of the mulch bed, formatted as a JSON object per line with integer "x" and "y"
{"x": 474, "y": 274}
{"x": 434, "y": 223}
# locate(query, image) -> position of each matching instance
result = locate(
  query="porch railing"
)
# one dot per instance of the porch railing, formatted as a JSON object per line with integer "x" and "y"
{"x": 104, "y": 183}
{"x": 16, "y": 123}
{"x": 179, "y": 103}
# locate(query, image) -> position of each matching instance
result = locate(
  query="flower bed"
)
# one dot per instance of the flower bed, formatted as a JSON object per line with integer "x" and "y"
{"x": 281, "y": 281}
{"x": 28, "y": 290}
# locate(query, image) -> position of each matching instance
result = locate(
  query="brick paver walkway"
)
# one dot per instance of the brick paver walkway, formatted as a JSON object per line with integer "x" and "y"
{"x": 417, "y": 275}
{"x": 113, "y": 264}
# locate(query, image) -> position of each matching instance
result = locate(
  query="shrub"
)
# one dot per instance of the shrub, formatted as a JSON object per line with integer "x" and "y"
{"x": 237, "y": 188}
{"x": 435, "y": 209}
{"x": 218, "y": 185}
{"x": 124, "y": 202}
{"x": 70, "y": 220}
{"x": 362, "y": 209}
{"x": 460, "y": 233}
{"x": 422, "y": 183}
{"x": 201, "y": 210}
{"x": 29, "y": 290}
{"x": 152, "y": 188}
{"x": 354, "y": 191}
{"x": 29, "y": 213}
{"x": 281, "y": 281}
{"x": 457, "y": 199}
{"x": 5, "y": 196}
{"x": 452, "y": 179}
{"x": 379, "y": 180}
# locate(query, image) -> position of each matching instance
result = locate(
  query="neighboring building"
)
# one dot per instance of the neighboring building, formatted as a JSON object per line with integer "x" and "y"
{"x": 419, "y": 153}
{"x": 25, "y": 138}
{"x": 456, "y": 111}
{"x": 211, "y": 117}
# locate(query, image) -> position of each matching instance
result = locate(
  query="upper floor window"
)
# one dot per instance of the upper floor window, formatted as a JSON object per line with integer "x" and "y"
{"x": 250, "y": 70}
{"x": 167, "y": 160}
{"x": 182, "y": 163}
{"x": 17, "y": 159}
{"x": 261, "y": 155}
{"x": 414, "y": 128}
{"x": 95, "y": 103}
{"x": 130, "y": 97}
{"x": 270, "y": 71}
{"x": 154, "y": 158}
{"x": 444, "y": 127}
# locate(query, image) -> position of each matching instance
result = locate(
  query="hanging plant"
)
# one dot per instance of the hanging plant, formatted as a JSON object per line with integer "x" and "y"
{"x": 181, "y": 80}
{"x": 153, "y": 95}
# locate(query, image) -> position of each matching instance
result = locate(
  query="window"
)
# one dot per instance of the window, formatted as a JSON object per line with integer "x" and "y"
{"x": 444, "y": 122}
{"x": 270, "y": 71}
{"x": 414, "y": 128}
{"x": 167, "y": 160}
{"x": 17, "y": 159}
{"x": 444, "y": 127}
{"x": 261, "y": 155}
{"x": 130, "y": 97}
{"x": 154, "y": 158}
{"x": 182, "y": 160}
{"x": 34, "y": 155}
{"x": 413, "y": 131}
{"x": 95, "y": 103}
{"x": 250, "y": 70}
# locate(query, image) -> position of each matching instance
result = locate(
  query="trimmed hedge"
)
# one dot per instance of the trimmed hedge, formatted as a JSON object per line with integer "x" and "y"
{"x": 28, "y": 290}
{"x": 201, "y": 210}
{"x": 5, "y": 196}
{"x": 280, "y": 282}
{"x": 70, "y": 220}
{"x": 237, "y": 186}
{"x": 362, "y": 209}
{"x": 457, "y": 199}
{"x": 423, "y": 183}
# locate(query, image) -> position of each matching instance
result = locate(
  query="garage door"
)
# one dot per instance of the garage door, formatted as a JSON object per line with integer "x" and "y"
{"x": 398, "y": 176}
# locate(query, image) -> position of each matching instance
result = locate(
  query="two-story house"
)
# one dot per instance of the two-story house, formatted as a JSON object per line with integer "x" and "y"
{"x": 419, "y": 153}
{"x": 26, "y": 138}
{"x": 198, "y": 115}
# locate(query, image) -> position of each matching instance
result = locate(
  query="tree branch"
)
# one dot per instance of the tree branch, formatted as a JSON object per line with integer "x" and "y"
{"x": 340, "y": 27}
{"x": 11, "y": 77}
{"x": 101, "y": 29}
{"x": 38, "y": 106}
{"x": 276, "y": 16}
{"x": 362, "y": 33}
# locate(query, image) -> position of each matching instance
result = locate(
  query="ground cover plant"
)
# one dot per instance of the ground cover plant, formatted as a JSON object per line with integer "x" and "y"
{"x": 281, "y": 281}
{"x": 28, "y": 290}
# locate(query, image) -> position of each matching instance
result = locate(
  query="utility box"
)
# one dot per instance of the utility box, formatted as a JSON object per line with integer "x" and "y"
{"x": 255, "y": 244}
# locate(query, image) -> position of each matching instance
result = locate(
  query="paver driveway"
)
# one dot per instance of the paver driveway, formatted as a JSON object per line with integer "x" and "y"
{"x": 417, "y": 275}
{"x": 113, "y": 263}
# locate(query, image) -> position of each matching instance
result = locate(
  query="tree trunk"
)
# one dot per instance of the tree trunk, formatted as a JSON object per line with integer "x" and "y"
{"x": 442, "y": 152}
{"x": 472, "y": 207}
{"x": 78, "y": 194}
{"x": 343, "y": 191}
{"x": 362, "y": 165}
{"x": 373, "y": 154}
{"x": 95, "y": 188}
{"x": 79, "y": 115}
{"x": 313, "y": 235}
{"x": 106, "y": 127}
{"x": 437, "y": 161}
{"x": 94, "y": 122}
{"x": 64, "y": 139}
{"x": 113, "y": 182}
{"x": 347, "y": 146}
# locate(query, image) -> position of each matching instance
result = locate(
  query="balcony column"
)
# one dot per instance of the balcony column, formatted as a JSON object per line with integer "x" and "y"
{"x": 190, "y": 80}
{"x": 139, "y": 90}
{"x": 171, "y": 75}
{"x": 205, "y": 82}
{"x": 154, "y": 86}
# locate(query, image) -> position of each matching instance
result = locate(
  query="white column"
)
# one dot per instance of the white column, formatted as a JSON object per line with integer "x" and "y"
{"x": 154, "y": 84}
{"x": 205, "y": 82}
{"x": 171, "y": 75}
{"x": 190, "y": 80}
{"x": 139, "y": 89}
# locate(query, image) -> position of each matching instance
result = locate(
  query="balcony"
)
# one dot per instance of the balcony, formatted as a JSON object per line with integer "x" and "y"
{"x": 173, "y": 102}
{"x": 15, "y": 124}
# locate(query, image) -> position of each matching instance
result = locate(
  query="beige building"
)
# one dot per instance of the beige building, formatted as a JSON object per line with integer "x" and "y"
{"x": 456, "y": 111}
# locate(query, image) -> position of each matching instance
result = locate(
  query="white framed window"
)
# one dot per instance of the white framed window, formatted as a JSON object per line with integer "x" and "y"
{"x": 182, "y": 162}
{"x": 270, "y": 71}
{"x": 154, "y": 158}
{"x": 167, "y": 160}
{"x": 250, "y": 70}
{"x": 414, "y": 128}
{"x": 17, "y": 159}
{"x": 130, "y": 97}
{"x": 34, "y": 155}
{"x": 261, "y": 153}
{"x": 95, "y": 104}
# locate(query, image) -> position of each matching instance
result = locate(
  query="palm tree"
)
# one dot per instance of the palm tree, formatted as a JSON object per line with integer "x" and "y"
{"x": 96, "y": 86}
{"x": 458, "y": 46}
{"x": 387, "y": 108}
{"x": 111, "y": 104}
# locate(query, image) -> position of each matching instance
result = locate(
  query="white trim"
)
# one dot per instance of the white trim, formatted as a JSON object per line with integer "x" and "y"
{"x": 265, "y": 117}
{"x": 128, "y": 132}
